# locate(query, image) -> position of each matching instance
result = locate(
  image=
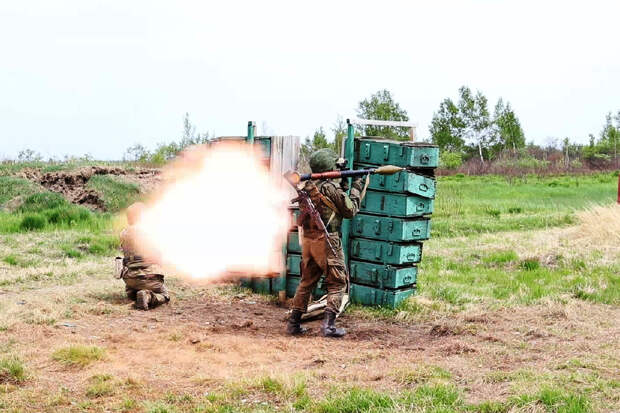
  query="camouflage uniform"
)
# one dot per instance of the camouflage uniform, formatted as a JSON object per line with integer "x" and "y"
{"x": 142, "y": 279}
{"x": 317, "y": 256}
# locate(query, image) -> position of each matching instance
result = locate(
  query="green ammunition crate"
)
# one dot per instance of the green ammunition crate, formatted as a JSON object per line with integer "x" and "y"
{"x": 384, "y": 152}
{"x": 278, "y": 284}
{"x": 396, "y": 205}
{"x": 293, "y": 281}
{"x": 403, "y": 182}
{"x": 362, "y": 294}
{"x": 391, "y": 229}
{"x": 385, "y": 252}
{"x": 261, "y": 285}
{"x": 294, "y": 216}
{"x": 265, "y": 143}
{"x": 293, "y": 263}
{"x": 382, "y": 276}
{"x": 293, "y": 242}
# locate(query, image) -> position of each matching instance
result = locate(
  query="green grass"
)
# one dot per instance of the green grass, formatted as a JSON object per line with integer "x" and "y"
{"x": 116, "y": 193}
{"x": 101, "y": 385}
{"x": 43, "y": 200}
{"x": 421, "y": 374}
{"x": 456, "y": 283}
{"x": 466, "y": 205}
{"x": 12, "y": 370}
{"x": 11, "y": 187}
{"x": 78, "y": 355}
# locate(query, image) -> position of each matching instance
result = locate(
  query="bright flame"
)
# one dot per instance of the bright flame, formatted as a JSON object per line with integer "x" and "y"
{"x": 221, "y": 213}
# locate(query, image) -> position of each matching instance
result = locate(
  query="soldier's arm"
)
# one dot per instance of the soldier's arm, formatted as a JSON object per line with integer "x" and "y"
{"x": 347, "y": 205}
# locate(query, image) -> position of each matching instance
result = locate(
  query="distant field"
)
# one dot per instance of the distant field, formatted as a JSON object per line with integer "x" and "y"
{"x": 477, "y": 204}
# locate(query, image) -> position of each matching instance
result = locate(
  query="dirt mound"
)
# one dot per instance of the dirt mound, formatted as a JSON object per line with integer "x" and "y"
{"x": 73, "y": 184}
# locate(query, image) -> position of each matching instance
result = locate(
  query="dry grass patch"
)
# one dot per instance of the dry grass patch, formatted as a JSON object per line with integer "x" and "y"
{"x": 78, "y": 355}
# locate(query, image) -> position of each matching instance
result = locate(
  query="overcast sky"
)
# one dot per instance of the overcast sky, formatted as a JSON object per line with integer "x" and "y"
{"x": 95, "y": 77}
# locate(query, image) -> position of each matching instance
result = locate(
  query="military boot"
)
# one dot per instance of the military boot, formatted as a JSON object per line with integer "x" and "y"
{"x": 143, "y": 298}
{"x": 328, "y": 329}
{"x": 294, "y": 327}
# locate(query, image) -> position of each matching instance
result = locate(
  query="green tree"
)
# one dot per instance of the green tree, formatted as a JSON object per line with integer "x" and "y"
{"x": 467, "y": 126}
{"x": 446, "y": 127}
{"x": 476, "y": 120}
{"x": 340, "y": 133}
{"x": 507, "y": 128}
{"x": 381, "y": 106}
{"x": 318, "y": 141}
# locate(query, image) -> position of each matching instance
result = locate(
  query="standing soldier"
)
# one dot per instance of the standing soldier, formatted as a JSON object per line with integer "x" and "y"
{"x": 143, "y": 283}
{"x": 318, "y": 256}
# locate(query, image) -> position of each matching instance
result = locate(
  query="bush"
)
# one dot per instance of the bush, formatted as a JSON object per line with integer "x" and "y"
{"x": 450, "y": 160}
{"x": 32, "y": 222}
{"x": 576, "y": 164}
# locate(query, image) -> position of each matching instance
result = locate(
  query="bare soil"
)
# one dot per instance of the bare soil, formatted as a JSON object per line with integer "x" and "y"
{"x": 195, "y": 345}
{"x": 72, "y": 184}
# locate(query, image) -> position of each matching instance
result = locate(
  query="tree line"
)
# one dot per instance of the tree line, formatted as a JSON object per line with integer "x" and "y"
{"x": 469, "y": 132}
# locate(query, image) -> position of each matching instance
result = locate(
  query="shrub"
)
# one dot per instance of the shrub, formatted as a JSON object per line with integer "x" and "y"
{"x": 32, "y": 222}
{"x": 450, "y": 160}
{"x": 576, "y": 164}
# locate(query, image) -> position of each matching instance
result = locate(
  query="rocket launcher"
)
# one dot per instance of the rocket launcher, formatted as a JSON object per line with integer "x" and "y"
{"x": 294, "y": 177}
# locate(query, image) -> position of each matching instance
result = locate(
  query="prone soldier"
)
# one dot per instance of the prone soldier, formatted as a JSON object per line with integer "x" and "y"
{"x": 322, "y": 253}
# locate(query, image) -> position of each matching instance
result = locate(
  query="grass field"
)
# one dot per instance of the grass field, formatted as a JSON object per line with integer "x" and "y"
{"x": 518, "y": 311}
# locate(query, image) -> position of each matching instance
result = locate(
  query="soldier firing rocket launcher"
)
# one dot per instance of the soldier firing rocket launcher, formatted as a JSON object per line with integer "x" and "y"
{"x": 307, "y": 208}
{"x": 295, "y": 178}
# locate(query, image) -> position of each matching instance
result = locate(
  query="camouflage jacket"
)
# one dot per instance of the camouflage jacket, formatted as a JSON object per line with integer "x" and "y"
{"x": 346, "y": 205}
{"x": 134, "y": 265}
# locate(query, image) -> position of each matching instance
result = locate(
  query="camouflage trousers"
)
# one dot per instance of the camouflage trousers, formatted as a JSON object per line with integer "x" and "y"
{"x": 317, "y": 259}
{"x": 153, "y": 283}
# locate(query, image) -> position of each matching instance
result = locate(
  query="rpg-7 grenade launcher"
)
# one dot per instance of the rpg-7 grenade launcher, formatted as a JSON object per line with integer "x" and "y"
{"x": 295, "y": 178}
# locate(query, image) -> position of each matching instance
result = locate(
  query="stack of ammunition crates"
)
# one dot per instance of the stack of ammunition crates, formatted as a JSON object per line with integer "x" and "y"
{"x": 385, "y": 239}
{"x": 386, "y": 236}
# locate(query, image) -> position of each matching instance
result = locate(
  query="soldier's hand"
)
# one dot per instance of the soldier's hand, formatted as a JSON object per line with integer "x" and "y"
{"x": 344, "y": 184}
{"x": 358, "y": 184}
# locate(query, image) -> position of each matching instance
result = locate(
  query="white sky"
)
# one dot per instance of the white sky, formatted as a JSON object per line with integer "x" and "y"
{"x": 97, "y": 76}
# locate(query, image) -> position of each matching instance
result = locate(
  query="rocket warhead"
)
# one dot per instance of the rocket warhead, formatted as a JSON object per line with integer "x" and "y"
{"x": 388, "y": 170}
{"x": 293, "y": 177}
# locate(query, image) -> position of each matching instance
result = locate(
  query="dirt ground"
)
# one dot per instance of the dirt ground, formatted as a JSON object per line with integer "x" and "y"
{"x": 73, "y": 184}
{"x": 193, "y": 346}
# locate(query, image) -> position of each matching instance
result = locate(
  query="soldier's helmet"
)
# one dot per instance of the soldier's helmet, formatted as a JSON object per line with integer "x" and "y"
{"x": 323, "y": 160}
